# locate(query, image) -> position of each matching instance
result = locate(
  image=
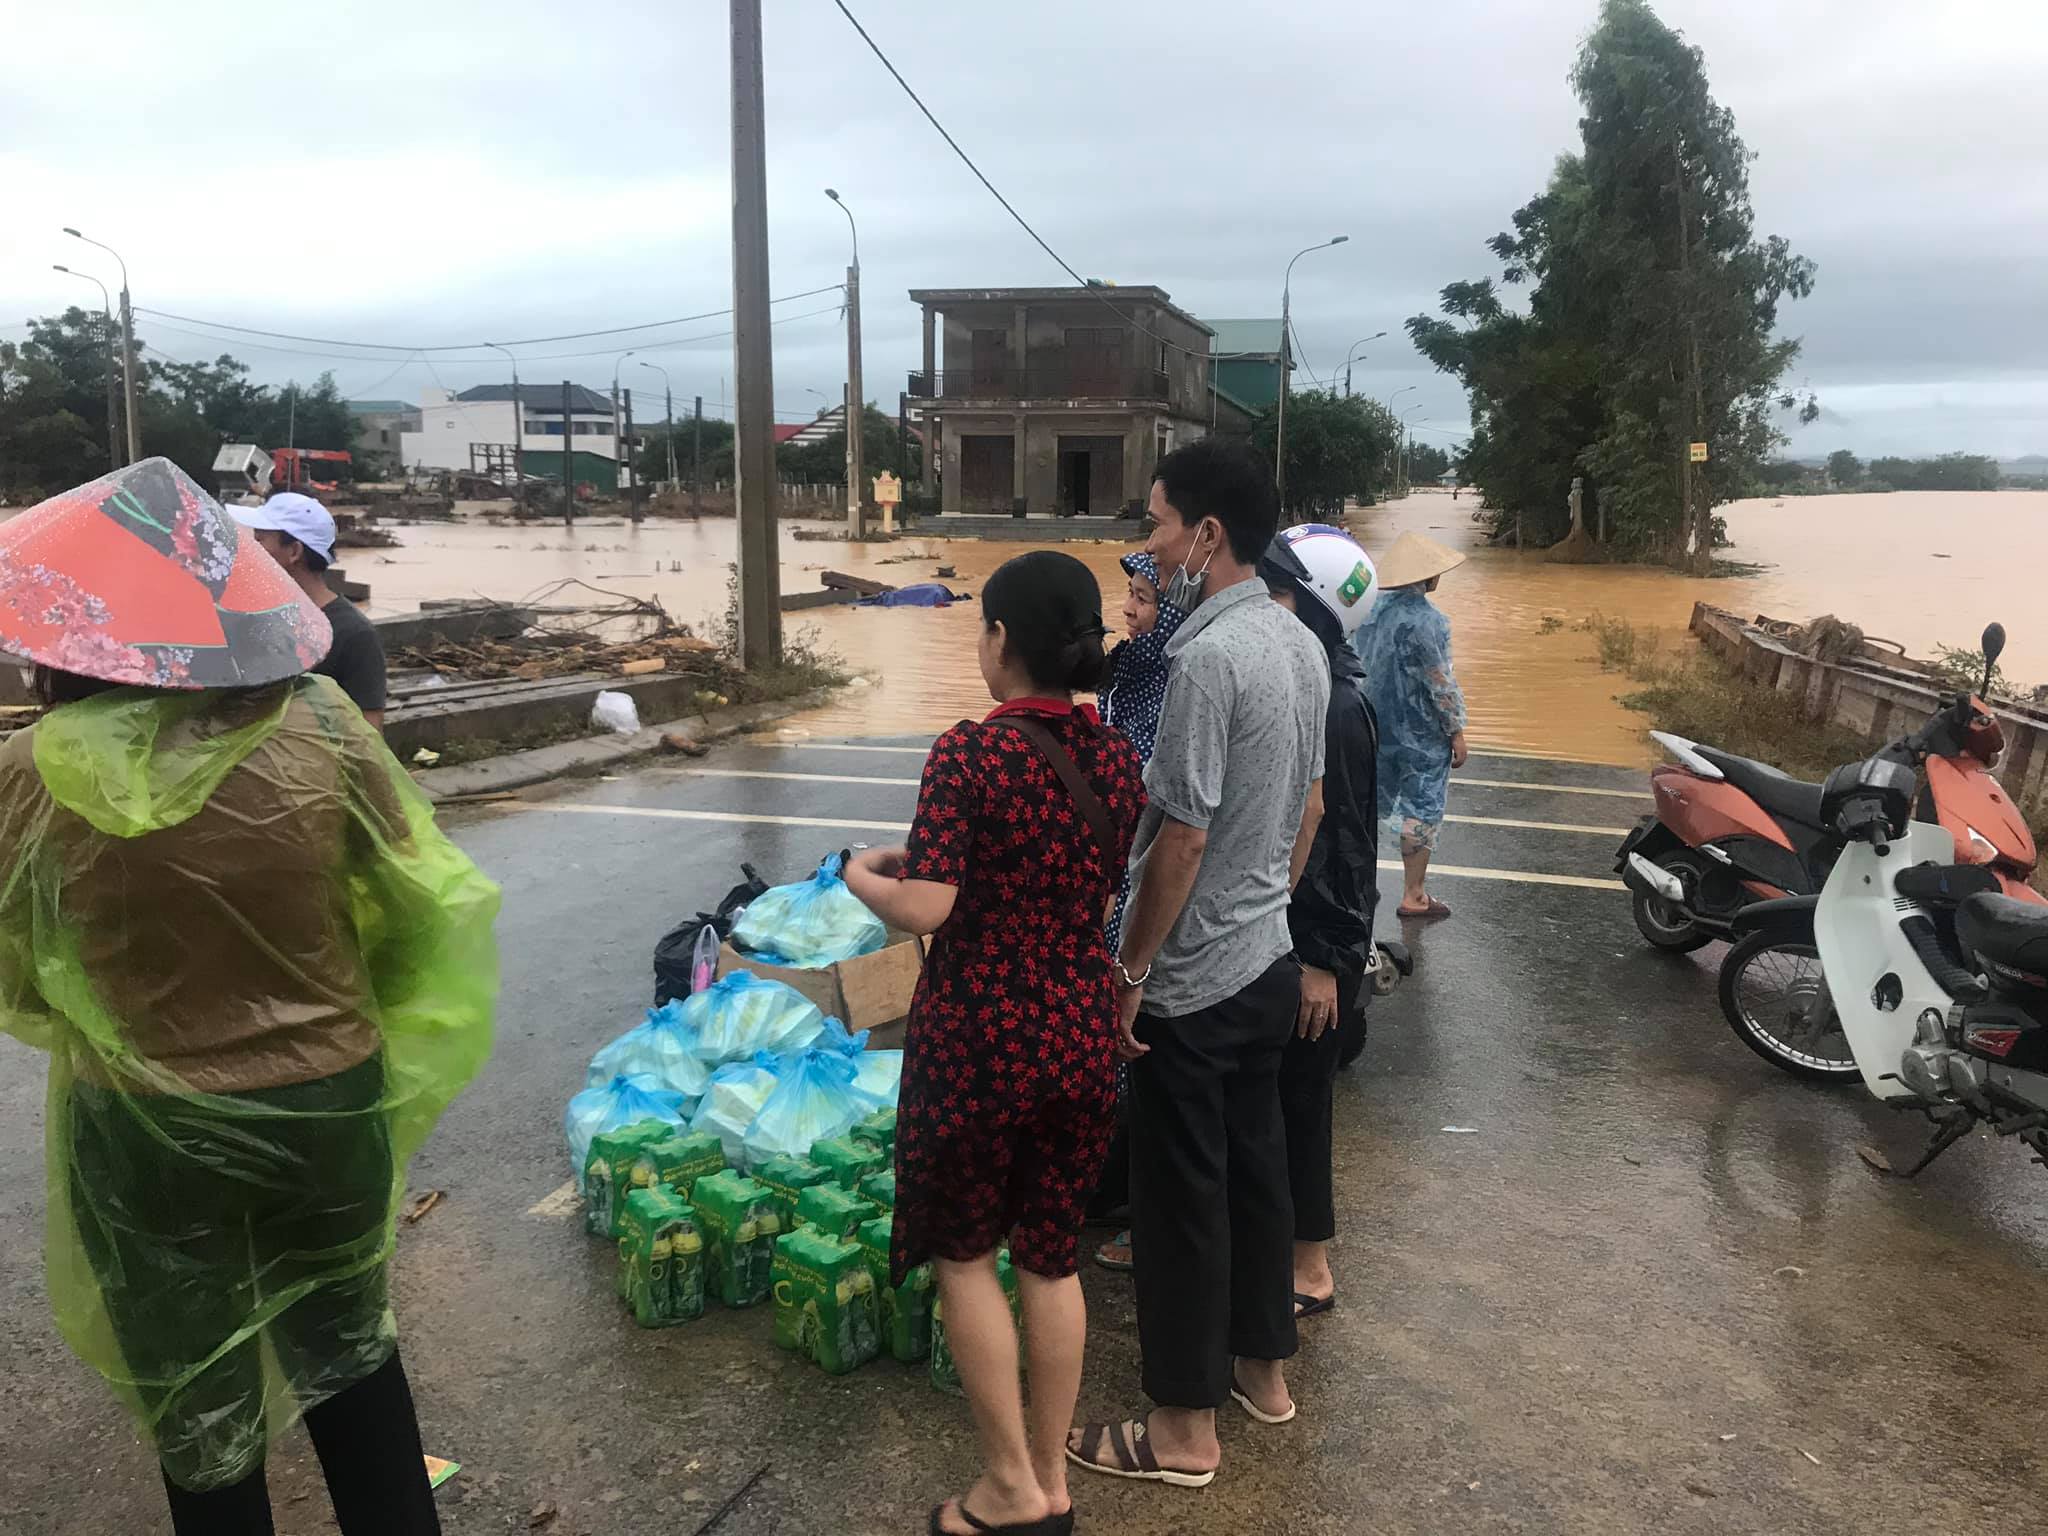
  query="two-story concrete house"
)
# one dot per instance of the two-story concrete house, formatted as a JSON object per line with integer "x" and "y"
{"x": 1056, "y": 401}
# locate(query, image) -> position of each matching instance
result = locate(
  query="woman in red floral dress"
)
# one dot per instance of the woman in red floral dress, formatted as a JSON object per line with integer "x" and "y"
{"x": 1009, "y": 1085}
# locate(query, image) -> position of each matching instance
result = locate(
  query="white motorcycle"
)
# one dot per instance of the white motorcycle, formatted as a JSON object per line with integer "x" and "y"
{"x": 1940, "y": 983}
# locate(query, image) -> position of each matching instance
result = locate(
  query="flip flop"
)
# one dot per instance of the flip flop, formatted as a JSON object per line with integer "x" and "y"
{"x": 1052, "y": 1525}
{"x": 1135, "y": 1460}
{"x": 1429, "y": 914}
{"x": 1311, "y": 1306}
{"x": 1243, "y": 1400}
{"x": 1102, "y": 1254}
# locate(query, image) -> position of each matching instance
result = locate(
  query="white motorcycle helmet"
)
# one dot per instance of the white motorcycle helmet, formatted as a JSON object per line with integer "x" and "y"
{"x": 1330, "y": 565}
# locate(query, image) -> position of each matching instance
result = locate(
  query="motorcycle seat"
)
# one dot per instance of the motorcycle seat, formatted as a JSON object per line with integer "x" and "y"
{"x": 2005, "y": 931}
{"x": 1782, "y": 795}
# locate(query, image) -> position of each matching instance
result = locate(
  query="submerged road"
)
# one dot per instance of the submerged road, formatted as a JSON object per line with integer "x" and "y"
{"x": 1601, "y": 1269}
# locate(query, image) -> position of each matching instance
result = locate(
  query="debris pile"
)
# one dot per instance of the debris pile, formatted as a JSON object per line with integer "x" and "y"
{"x": 542, "y": 653}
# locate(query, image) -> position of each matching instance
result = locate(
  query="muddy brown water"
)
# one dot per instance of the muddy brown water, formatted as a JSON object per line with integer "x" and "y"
{"x": 1920, "y": 568}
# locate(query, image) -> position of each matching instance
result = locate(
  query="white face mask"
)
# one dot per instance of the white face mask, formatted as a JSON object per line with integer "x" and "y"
{"x": 1183, "y": 590}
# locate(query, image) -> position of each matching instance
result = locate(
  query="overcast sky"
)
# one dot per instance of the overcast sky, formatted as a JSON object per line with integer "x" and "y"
{"x": 441, "y": 173}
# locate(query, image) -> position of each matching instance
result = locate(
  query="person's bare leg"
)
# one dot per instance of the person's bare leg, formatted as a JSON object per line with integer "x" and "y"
{"x": 1056, "y": 1336}
{"x": 983, "y": 1338}
{"x": 1312, "y": 1275}
{"x": 1184, "y": 1439}
{"x": 1264, "y": 1382}
{"x": 1414, "y": 867}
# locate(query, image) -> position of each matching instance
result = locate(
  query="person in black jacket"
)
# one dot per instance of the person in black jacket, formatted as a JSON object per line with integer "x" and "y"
{"x": 1323, "y": 576}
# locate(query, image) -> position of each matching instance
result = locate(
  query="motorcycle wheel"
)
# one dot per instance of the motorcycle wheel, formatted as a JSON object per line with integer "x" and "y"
{"x": 1655, "y": 918}
{"x": 1768, "y": 987}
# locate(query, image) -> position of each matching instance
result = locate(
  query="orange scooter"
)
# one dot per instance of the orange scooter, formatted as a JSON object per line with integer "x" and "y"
{"x": 1728, "y": 832}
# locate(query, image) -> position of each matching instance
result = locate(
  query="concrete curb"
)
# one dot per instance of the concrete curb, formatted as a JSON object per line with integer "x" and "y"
{"x": 518, "y": 770}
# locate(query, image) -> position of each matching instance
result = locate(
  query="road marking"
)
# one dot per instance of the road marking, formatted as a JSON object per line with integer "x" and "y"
{"x": 559, "y": 1205}
{"x": 1546, "y": 757}
{"x": 847, "y": 778}
{"x": 1551, "y": 789}
{"x": 848, "y": 746}
{"x": 663, "y": 813}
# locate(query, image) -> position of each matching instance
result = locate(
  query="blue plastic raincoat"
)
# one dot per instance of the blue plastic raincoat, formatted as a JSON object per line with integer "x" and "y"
{"x": 1405, "y": 646}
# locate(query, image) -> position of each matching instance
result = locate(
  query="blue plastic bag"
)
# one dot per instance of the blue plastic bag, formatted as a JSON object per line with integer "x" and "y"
{"x": 811, "y": 924}
{"x": 814, "y": 1100}
{"x": 879, "y": 1074}
{"x": 622, "y": 1101}
{"x": 732, "y": 1100}
{"x": 741, "y": 1014}
{"x": 663, "y": 1047}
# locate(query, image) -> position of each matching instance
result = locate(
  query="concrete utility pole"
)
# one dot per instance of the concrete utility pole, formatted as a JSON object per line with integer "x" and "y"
{"x": 856, "y": 395}
{"x": 632, "y": 469}
{"x": 754, "y": 488}
{"x": 114, "y": 459}
{"x": 568, "y": 467}
{"x": 518, "y": 431}
{"x": 697, "y": 462}
{"x": 127, "y": 349}
{"x": 1286, "y": 353}
{"x": 668, "y": 418}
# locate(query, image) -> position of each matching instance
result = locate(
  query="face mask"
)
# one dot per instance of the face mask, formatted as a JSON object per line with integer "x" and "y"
{"x": 1184, "y": 591}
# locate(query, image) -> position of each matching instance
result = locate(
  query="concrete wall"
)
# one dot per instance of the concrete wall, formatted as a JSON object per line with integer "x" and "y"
{"x": 448, "y": 427}
{"x": 1041, "y": 342}
{"x": 1036, "y": 478}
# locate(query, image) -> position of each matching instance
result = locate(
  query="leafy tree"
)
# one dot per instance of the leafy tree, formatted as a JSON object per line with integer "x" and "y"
{"x": 1949, "y": 472}
{"x": 1651, "y": 310}
{"x": 824, "y": 462}
{"x": 1337, "y": 446}
{"x": 1844, "y": 468}
{"x": 652, "y": 463}
{"x": 1426, "y": 463}
{"x": 53, "y": 405}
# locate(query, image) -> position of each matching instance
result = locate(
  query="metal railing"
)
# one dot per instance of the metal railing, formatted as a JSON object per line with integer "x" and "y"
{"x": 1066, "y": 381}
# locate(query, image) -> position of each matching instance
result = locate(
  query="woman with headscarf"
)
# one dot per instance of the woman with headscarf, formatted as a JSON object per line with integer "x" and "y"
{"x": 260, "y": 972}
{"x": 1131, "y": 702}
{"x": 1405, "y": 647}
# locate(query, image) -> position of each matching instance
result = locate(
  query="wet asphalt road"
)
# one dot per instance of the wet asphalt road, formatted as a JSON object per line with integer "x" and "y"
{"x": 1653, "y": 1287}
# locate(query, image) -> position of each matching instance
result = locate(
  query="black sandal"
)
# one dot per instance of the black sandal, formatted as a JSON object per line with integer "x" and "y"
{"x": 1061, "y": 1524}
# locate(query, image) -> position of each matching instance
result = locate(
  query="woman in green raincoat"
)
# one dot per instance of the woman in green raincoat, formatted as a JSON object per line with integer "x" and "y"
{"x": 260, "y": 972}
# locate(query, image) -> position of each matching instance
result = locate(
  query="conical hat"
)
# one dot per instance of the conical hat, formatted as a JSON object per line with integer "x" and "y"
{"x": 140, "y": 577}
{"x": 1414, "y": 559}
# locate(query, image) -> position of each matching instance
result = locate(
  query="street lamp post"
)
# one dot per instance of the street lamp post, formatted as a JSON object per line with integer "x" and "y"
{"x": 668, "y": 418}
{"x": 127, "y": 348}
{"x": 856, "y": 396}
{"x": 618, "y": 441}
{"x": 1352, "y": 356}
{"x": 519, "y": 431}
{"x": 1286, "y": 352}
{"x": 114, "y": 460}
{"x": 1401, "y": 448}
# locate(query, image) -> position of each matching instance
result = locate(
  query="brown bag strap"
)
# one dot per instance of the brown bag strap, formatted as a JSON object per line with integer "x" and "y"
{"x": 1085, "y": 799}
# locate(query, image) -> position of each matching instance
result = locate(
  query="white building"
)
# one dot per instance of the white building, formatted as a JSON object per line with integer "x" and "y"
{"x": 451, "y": 426}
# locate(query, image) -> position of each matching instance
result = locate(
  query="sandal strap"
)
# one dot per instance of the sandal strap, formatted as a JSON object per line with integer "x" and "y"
{"x": 1138, "y": 1446}
{"x": 971, "y": 1517}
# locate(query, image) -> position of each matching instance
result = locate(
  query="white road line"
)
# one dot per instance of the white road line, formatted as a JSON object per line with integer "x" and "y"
{"x": 1550, "y": 789}
{"x": 847, "y": 746}
{"x": 662, "y": 813}
{"x": 558, "y": 1204}
{"x": 845, "y": 778}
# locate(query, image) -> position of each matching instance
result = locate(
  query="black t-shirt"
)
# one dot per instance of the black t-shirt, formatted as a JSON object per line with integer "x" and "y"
{"x": 357, "y": 658}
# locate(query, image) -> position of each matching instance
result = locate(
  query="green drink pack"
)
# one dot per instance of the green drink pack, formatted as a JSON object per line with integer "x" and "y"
{"x": 609, "y": 1172}
{"x": 832, "y": 1210}
{"x": 879, "y": 1129}
{"x": 661, "y": 1259}
{"x": 880, "y": 1188}
{"x": 945, "y": 1374}
{"x": 787, "y": 1178}
{"x": 824, "y": 1301}
{"x": 849, "y": 1161}
{"x": 680, "y": 1159}
{"x": 738, "y": 1219}
{"x": 903, "y": 1312}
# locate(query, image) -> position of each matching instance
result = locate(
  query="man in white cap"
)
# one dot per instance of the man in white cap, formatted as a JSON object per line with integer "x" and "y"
{"x": 298, "y": 533}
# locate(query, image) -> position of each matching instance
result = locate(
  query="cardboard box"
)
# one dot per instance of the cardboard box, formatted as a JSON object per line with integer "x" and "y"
{"x": 870, "y": 992}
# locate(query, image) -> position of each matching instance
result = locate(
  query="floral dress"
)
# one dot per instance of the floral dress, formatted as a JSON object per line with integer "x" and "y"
{"x": 1008, "y": 1097}
{"x": 1405, "y": 647}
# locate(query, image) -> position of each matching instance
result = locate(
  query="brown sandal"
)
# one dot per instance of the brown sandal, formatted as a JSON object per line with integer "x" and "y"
{"x": 1128, "y": 1442}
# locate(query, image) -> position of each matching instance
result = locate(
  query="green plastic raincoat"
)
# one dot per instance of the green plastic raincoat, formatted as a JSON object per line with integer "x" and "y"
{"x": 261, "y": 973}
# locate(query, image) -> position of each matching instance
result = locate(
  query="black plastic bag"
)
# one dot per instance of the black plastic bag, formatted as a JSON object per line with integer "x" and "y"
{"x": 673, "y": 952}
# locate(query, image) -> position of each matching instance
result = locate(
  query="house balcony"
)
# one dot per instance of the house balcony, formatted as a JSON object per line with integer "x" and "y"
{"x": 1058, "y": 382}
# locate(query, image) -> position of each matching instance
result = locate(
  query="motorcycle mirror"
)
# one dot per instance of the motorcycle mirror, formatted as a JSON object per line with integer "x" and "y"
{"x": 1994, "y": 645}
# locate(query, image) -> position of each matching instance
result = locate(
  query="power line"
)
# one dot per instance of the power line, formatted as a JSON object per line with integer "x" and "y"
{"x": 529, "y": 341}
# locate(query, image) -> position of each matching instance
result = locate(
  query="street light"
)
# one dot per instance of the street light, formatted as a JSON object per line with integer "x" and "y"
{"x": 1286, "y": 335}
{"x": 1397, "y": 394}
{"x": 1401, "y": 447}
{"x": 668, "y": 417}
{"x": 618, "y": 440}
{"x": 1352, "y": 355}
{"x": 856, "y": 395}
{"x": 519, "y": 430}
{"x": 107, "y": 315}
{"x": 127, "y": 348}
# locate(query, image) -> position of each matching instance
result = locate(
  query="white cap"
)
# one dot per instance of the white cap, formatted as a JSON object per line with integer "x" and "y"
{"x": 300, "y": 516}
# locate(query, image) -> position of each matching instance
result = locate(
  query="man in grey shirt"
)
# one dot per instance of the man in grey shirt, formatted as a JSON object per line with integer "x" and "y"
{"x": 1207, "y": 988}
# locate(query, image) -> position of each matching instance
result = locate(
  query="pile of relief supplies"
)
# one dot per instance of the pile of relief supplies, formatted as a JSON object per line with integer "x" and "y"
{"x": 738, "y": 1143}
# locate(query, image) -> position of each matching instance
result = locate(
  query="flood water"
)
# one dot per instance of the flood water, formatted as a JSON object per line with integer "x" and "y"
{"x": 1919, "y": 568}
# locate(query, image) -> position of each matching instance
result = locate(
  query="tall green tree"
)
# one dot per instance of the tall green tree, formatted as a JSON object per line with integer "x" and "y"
{"x": 1337, "y": 446}
{"x": 1844, "y": 469}
{"x": 1653, "y": 306}
{"x": 1426, "y": 463}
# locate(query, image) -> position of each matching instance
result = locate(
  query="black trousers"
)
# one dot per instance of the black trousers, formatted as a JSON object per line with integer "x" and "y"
{"x": 368, "y": 1440}
{"x": 1211, "y": 1221}
{"x": 1308, "y": 1077}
